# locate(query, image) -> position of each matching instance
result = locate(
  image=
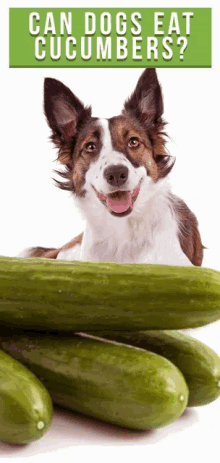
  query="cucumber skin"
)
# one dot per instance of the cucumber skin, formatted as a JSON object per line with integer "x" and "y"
{"x": 47, "y": 294}
{"x": 199, "y": 364}
{"x": 24, "y": 402}
{"x": 122, "y": 385}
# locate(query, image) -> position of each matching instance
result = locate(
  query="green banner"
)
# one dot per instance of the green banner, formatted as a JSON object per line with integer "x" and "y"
{"x": 97, "y": 37}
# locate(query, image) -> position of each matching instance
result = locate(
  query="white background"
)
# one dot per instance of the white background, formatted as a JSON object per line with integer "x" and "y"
{"x": 34, "y": 212}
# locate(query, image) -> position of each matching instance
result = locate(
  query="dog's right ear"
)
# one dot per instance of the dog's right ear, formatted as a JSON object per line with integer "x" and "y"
{"x": 63, "y": 110}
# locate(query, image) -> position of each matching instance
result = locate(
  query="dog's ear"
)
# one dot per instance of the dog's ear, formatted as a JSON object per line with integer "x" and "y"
{"x": 146, "y": 104}
{"x": 63, "y": 110}
{"x": 146, "y": 101}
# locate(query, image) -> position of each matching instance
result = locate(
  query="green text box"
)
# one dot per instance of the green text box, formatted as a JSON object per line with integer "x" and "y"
{"x": 42, "y": 37}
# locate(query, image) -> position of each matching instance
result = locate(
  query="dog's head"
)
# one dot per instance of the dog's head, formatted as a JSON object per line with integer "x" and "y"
{"x": 115, "y": 161}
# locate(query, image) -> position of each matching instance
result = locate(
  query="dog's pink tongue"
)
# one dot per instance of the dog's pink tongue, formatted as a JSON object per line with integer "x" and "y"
{"x": 119, "y": 201}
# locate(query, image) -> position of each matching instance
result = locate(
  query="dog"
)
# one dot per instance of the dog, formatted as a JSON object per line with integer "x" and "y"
{"x": 117, "y": 169}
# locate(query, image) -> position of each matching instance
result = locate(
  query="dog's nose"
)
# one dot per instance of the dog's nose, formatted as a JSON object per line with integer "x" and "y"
{"x": 116, "y": 175}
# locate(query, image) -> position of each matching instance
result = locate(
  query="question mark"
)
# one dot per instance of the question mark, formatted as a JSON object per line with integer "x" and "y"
{"x": 182, "y": 49}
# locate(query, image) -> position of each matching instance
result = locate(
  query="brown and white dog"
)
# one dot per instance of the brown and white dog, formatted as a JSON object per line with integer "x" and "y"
{"x": 117, "y": 171}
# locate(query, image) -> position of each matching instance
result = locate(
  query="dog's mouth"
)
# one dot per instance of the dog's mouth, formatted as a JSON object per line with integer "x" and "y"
{"x": 120, "y": 202}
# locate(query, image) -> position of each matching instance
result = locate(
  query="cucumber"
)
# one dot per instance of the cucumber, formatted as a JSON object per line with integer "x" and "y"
{"x": 199, "y": 364}
{"x": 44, "y": 294}
{"x": 25, "y": 405}
{"x": 127, "y": 386}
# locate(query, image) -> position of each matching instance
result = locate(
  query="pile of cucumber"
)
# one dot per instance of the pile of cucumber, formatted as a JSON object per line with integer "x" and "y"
{"x": 102, "y": 340}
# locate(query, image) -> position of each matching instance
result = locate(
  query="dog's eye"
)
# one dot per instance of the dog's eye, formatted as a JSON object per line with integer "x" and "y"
{"x": 133, "y": 142}
{"x": 90, "y": 147}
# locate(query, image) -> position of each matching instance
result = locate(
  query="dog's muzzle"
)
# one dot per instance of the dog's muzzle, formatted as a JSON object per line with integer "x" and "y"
{"x": 120, "y": 202}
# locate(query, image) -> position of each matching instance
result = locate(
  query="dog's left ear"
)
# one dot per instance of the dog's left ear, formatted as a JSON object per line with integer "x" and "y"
{"x": 146, "y": 104}
{"x": 146, "y": 101}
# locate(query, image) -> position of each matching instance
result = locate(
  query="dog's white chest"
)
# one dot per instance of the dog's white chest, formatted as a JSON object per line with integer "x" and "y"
{"x": 137, "y": 241}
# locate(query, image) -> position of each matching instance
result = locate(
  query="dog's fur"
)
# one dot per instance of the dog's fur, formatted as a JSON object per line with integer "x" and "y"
{"x": 117, "y": 171}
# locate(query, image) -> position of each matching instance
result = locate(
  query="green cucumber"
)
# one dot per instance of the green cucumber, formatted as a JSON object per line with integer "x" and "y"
{"x": 199, "y": 364}
{"x": 44, "y": 294}
{"x": 123, "y": 385}
{"x": 25, "y": 405}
